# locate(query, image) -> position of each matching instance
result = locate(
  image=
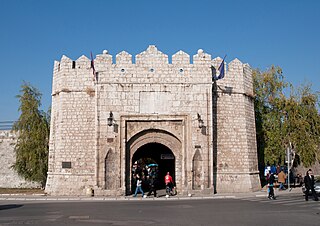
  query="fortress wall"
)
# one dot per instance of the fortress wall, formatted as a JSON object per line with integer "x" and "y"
{"x": 8, "y": 177}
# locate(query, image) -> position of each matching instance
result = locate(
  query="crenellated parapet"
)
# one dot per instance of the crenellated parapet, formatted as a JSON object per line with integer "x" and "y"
{"x": 150, "y": 66}
{"x": 180, "y": 59}
{"x": 72, "y": 75}
{"x": 123, "y": 58}
{"x": 202, "y": 58}
{"x": 151, "y": 57}
{"x": 238, "y": 77}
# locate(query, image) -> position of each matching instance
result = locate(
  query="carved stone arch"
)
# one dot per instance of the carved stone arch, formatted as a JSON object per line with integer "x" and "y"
{"x": 196, "y": 170}
{"x": 155, "y": 136}
{"x": 110, "y": 169}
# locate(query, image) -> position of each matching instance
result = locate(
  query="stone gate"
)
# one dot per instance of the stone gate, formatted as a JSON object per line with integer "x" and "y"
{"x": 203, "y": 132}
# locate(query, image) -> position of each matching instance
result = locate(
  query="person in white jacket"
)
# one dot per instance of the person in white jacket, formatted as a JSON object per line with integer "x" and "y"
{"x": 139, "y": 187}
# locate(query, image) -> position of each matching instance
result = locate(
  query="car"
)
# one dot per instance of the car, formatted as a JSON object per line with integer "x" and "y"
{"x": 316, "y": 188}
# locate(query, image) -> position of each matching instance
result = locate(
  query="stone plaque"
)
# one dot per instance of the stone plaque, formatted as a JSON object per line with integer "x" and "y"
{"x": 155, "y": 102}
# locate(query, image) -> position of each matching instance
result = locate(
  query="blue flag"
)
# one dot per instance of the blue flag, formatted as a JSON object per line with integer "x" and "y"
{"x": 221, "y": 70}
{"x": 92, "y": 65}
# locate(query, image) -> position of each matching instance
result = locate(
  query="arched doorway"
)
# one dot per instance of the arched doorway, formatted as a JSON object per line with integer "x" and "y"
{"x": 159, "y": 145}
{"x": 161, "y": 158}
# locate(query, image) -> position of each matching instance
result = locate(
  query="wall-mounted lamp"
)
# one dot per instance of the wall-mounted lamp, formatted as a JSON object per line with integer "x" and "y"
{"x": 110, "y": 119}
{"x": 200, "y": 122}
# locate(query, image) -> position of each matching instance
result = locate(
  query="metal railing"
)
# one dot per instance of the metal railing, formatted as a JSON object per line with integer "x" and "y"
{"x": 6, "y": 125}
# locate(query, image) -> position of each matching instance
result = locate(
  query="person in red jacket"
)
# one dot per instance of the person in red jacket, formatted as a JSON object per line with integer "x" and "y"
{"x": 168, "y": 179}
{"x": 169, "y": 183}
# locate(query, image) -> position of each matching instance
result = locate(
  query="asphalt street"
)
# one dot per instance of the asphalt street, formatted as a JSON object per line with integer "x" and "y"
{"x": 287, "y": 209}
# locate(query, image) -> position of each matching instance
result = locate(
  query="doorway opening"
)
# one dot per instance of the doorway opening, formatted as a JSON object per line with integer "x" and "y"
{"x": 155, "y": 159}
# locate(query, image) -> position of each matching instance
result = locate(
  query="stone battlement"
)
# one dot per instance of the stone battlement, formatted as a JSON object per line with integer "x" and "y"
{"x": 151, "y": 66}
{"x": 150, "y": 57}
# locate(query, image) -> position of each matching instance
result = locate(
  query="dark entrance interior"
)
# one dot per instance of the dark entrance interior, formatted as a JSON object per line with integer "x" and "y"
{"x": 155, "y": 153}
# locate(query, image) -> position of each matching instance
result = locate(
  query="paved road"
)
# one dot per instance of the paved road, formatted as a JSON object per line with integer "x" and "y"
{"x": 288, "y": 209}
{"x": 287, "y": 201}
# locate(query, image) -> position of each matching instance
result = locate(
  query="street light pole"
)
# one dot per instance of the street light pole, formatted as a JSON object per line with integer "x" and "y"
{"x": 289, "y": 160}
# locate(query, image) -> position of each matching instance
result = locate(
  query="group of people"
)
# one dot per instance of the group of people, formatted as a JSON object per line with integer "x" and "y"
{"x": 152, "y": 182}
{"x": 285, "y": 176}
{"x": 309, "y": 183}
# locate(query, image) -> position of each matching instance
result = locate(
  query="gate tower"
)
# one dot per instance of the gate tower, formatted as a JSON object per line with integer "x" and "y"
{"x": 167, "y": 112}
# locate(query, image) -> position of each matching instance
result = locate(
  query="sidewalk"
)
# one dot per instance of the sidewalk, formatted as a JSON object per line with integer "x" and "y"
{"x": 44, "y": 197}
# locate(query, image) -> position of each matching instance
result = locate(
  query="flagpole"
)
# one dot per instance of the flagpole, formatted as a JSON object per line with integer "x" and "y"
{"x": 214, "y": 99}
{"x": 214, "y": 134}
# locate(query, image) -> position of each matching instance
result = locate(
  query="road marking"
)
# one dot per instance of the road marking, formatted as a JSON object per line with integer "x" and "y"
{"x": 298, "y": 201}
{"x": 79, "y": 217}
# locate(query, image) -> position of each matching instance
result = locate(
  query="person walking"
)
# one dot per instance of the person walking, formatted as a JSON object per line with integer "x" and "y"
{"x": 271, "y": 185}
{"x": 139, "y": 186}
{"x": 309, "y": 184}
{"x": 292, "y": 178}
{"x": 153, "y": 186}
{"x": 169, "y": 183}
{"x": 278, "y": 169}
{"x": 282, "y": 179}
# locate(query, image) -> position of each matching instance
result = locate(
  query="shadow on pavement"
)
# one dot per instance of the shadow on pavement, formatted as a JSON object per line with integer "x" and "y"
{"x": 12, "y": 206}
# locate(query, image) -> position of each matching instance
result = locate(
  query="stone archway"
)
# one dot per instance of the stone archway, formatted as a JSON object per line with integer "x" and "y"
{"x": 160, "y": 160}
{"x": 158, "y": 138}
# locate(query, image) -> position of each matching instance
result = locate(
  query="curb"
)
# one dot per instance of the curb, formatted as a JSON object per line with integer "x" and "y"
{"x": 44, "y": 197}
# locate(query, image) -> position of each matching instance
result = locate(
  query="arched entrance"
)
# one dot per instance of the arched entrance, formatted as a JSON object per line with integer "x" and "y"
{"x": 154, "y": 146}
{"x": 153, "y": 159}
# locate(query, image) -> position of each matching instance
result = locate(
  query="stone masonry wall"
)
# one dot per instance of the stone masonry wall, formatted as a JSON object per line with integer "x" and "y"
{"x": 8, "y": 177}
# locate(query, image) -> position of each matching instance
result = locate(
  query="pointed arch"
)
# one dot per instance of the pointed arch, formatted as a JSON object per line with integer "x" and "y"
{"x": 110, "y": 169}
{"x": 196, "y": 170}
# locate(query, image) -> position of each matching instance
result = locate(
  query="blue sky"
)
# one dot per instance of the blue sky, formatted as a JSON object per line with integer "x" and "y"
{"x": 34, "y": 33}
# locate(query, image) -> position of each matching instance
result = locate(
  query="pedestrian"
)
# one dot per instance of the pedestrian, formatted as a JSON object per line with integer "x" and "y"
{"x": 271, "y": 185}
{"x": 292, "y": 178}
{"x": 273, "y": 169}
{"x": 278, "y": 169}
{"x": 139, "y": 186}
{"x": 282, "y": 179}
{"x": 169, "y": 183}
{"x": 145, "y": 171}
{"x": 153, "y": 186}
{"x": 309, "y": 185}
{"x": 299, "y": 179}
{"x": 267, "y": 169}
{"x": 268, "y": 176}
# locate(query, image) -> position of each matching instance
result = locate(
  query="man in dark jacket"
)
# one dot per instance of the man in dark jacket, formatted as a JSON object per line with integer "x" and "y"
{"x": 271, "y": 185}
{"x": 153, "y": 183}
{"x": 309, "y": 184}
